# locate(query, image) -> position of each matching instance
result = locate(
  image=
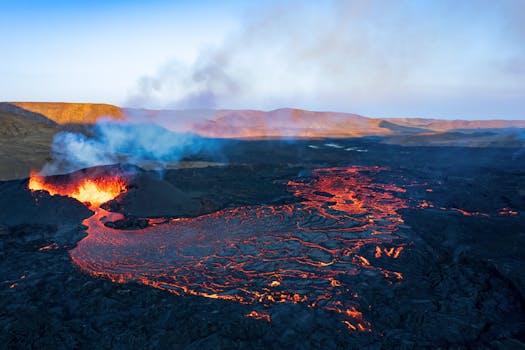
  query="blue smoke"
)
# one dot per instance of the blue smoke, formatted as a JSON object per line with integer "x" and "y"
{"x": 116, "y": 142}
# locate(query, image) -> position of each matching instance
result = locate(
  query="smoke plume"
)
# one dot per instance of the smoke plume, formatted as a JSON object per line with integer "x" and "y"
{"x": 367, "y": 57}
{"x": 114, "y": 142}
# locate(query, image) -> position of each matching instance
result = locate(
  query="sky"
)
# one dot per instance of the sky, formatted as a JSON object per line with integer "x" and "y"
{"x": 378, "y": 58}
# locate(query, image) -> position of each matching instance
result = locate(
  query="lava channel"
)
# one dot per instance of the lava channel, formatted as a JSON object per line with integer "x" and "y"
{"x": 310, "y": 252}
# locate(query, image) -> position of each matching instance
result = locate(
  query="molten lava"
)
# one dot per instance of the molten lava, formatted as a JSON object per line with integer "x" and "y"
{"x": 93, "y": 192}
{"x": 310, "y": 253}
{"x": 259, "y": 316}
{"x": 314, "y": 253}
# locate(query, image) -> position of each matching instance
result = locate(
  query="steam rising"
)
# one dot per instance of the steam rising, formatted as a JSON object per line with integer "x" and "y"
{"x": 114, "y": 142}
{"x": 387, "y": 57}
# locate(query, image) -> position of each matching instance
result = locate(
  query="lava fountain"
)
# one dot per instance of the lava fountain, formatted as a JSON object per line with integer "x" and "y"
{"x": 90, "y": 191}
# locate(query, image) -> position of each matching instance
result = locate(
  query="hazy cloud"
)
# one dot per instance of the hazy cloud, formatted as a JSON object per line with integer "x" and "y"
{"x": 358, "y": 56}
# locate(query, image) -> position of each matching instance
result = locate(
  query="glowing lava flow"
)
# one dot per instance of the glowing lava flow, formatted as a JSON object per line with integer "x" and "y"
{"x": 92, "y": 192}
{"x": 312, "y": 252}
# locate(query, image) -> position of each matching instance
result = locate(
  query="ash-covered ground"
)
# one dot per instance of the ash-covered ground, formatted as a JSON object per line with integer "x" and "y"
{"x": 459, "y": 216}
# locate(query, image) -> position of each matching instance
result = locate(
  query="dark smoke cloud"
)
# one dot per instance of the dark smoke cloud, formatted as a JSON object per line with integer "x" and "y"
{"x": 201, "y": 84}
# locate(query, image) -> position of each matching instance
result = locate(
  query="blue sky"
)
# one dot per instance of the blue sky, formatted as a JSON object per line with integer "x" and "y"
{"x": 448, "y": 59}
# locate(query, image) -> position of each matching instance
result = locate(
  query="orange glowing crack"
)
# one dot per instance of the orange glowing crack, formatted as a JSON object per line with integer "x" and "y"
{"x": 259, "y": 316}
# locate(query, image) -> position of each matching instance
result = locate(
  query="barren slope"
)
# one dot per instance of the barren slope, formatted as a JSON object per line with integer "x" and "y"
{"x": 288, "y": 122}
{"x": 24, "y": 144}
{"x": 72, "y": 113}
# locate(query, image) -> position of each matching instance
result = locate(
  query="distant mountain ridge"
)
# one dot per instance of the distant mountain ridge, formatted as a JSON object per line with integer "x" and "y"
{"x": 16, "y": 110}
{"x": 27, "y": 129}
{"x": 71, "y": 113}
{"x": 285, "y": 122}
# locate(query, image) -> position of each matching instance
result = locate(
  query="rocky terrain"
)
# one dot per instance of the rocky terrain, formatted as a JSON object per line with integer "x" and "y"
{"x": 462, "y": 232}
{"x": 25, "y": 144}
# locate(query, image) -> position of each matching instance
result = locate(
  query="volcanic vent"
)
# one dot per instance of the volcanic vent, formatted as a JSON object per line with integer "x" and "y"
{"x": 92, "y": 187}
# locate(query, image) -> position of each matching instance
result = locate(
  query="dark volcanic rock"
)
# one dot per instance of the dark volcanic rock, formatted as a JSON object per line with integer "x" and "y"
{"x": 192, "y": 192}
{"x": 148, "y": 195}
{"x": 462, "y": 281}
{"x": 237, "y": 185}
{"x": 20, "y": 206}
{"x": 128, "y": 224}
